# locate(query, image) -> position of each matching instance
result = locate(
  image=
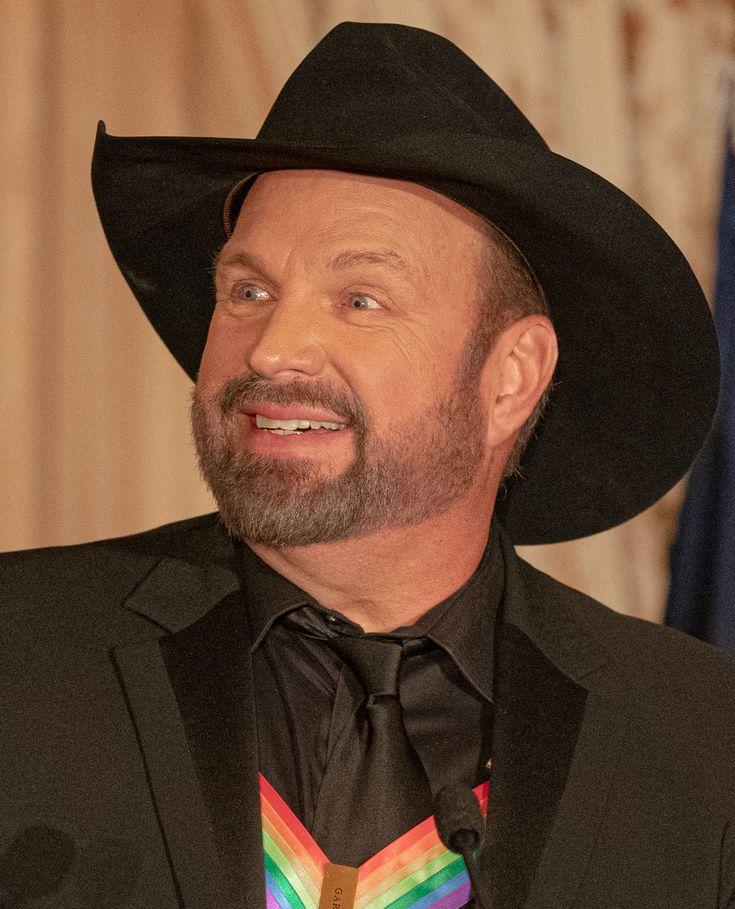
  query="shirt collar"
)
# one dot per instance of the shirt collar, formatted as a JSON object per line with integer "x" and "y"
{"x": 268, "y": 595}
{"x": 463, "y": 624}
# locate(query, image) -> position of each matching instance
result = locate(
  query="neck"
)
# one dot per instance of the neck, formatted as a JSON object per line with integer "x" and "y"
{"x": 391, "y": 577}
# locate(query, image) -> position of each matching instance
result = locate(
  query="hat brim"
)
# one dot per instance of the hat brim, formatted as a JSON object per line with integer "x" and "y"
{"x": 636, "y": 385}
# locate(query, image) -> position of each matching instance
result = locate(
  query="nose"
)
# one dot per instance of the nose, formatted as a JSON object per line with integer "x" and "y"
{"x": 289, "y": 343}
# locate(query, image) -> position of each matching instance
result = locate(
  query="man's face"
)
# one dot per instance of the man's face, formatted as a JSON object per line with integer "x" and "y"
{"x": 347, "y": 301}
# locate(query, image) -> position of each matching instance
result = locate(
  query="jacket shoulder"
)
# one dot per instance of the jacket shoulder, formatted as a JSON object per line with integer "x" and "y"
{"x": 115, "y": 564}
{"x": 655, "y": 662}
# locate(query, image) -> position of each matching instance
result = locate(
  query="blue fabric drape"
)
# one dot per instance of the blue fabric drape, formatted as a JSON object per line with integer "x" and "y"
{"x": 702, "y": 595}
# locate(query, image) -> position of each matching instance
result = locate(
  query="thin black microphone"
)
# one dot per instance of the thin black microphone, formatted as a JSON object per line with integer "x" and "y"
{"x": 35, "y": 864}
{"x": 461, "y": 828}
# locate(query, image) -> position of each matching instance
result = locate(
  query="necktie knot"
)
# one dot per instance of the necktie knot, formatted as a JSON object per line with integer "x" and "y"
{"x": 375, "y": 663}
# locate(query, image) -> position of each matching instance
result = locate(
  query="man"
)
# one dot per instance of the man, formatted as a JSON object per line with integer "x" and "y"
{"x": 269, "y": 704}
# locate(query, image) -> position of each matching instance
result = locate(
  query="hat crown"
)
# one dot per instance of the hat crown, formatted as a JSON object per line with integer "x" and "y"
{"x": 365, "y": 83}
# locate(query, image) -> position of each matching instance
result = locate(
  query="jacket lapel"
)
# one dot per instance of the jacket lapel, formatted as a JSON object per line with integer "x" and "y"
{"x": 209, "y": 665}
{"x": 190, "y": 697}
{"x": 182, "y": 816}
{"x": 538, "y": 714}
{"x": 559, "y": 725}
{"x": 582, "y": 808}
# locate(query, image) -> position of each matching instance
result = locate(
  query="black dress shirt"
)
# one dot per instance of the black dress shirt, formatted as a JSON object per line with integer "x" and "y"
{"x": 304, "y": 694}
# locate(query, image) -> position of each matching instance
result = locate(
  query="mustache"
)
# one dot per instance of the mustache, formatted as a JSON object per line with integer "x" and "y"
{"x": 253, "y": 389}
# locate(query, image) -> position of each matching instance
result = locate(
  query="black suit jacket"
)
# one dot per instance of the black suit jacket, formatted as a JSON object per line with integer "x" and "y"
{"x": 128, "y": 753}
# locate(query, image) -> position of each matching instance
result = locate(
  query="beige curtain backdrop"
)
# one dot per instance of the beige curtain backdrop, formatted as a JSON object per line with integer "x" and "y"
{"x": 94, "y": 437}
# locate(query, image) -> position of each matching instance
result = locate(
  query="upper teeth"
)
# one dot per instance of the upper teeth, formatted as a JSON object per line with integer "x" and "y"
{"x": 265, "y": 423}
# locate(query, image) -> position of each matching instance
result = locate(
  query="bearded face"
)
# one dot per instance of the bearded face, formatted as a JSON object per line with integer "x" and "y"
{"x": 401, "y": 478}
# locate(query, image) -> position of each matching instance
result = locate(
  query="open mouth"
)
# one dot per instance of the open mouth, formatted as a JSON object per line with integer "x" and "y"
{"x": 294, "y": 427}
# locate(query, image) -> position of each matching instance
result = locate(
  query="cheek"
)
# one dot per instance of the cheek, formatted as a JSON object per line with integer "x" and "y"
{"x": 428, "y": 362}
{"x": 224, "y": 353}
{"x": 404, "y": 379}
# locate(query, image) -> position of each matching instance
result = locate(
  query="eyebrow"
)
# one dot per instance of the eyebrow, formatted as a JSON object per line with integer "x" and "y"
{"x": 353, "y": 257}
{"x": 240, "y": 258}
{"x": 349, "y": 258}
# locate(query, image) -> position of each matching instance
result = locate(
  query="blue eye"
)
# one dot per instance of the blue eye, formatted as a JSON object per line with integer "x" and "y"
{"x": 362, "y": 301}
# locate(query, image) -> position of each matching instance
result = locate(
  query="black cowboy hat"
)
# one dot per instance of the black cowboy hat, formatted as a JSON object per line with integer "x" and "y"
{"x": 636, "y": 384}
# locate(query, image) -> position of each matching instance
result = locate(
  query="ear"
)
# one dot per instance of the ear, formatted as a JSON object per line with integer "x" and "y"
{"x": 517, "y": 372}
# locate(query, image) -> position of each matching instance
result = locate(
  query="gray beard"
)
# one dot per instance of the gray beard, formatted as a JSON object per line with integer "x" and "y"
{"x": 395, "y": 481}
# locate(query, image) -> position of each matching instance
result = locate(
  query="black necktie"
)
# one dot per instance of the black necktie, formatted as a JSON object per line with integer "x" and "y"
{"x": 374, "y": 786}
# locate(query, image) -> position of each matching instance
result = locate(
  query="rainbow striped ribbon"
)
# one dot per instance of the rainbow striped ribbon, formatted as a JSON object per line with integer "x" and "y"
{"x": 416, "y": 871}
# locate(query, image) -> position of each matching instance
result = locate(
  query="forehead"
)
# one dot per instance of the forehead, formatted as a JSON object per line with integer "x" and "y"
{"x": 310, "y": 208}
